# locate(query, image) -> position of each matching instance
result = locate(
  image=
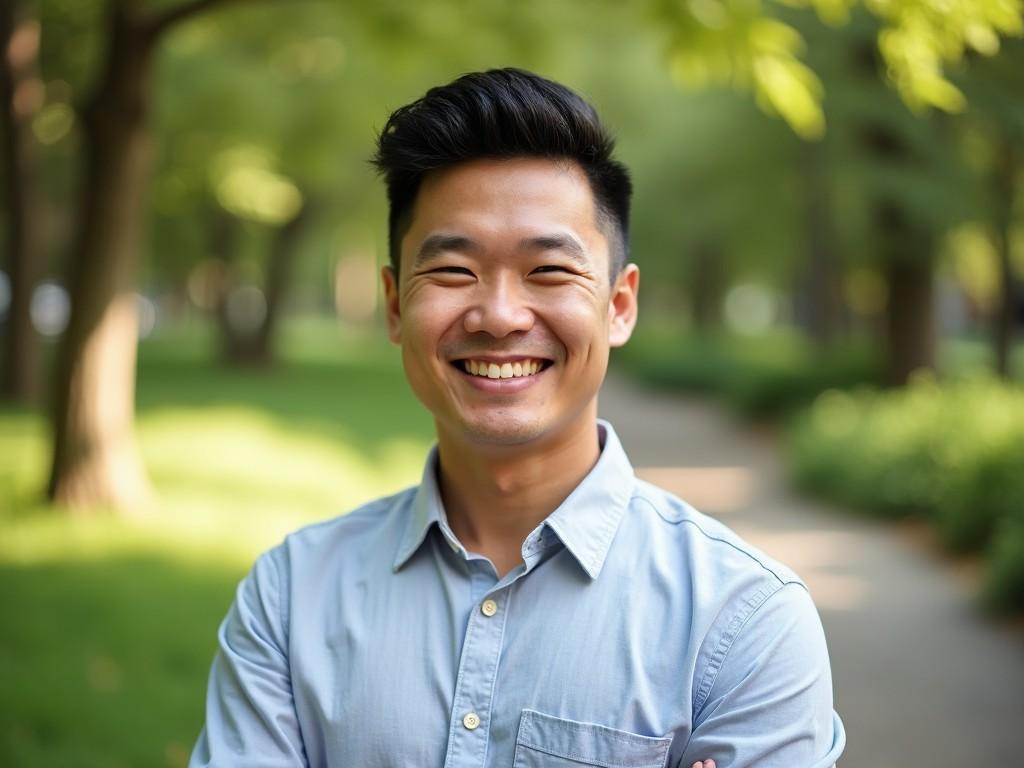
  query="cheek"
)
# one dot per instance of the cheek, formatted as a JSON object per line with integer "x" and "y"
{"x": 578, "y": 323}
{"x": 426, "y": 320}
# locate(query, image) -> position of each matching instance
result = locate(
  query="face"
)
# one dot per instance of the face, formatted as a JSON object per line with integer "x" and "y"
{"x": 504, "y": 308}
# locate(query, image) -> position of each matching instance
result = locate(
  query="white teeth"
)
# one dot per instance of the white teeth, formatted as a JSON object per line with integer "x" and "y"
{"x": 504, "y": 371}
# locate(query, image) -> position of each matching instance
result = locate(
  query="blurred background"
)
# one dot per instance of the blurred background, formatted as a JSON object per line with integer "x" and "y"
{"x": 829, "y": 218}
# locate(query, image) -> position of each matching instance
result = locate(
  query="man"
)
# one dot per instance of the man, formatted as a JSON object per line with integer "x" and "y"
{"x": 530, "y": 603}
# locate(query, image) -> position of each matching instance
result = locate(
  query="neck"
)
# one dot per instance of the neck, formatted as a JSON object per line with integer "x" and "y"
{"x": 494, "y": 496}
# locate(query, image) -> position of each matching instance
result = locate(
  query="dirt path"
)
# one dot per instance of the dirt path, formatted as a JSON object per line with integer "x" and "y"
{"x": 921, "y": 678}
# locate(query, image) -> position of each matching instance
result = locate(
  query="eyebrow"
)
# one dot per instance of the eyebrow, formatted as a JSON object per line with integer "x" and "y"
{"x": 435, "y": 245}
{"x": 564, "y": 242}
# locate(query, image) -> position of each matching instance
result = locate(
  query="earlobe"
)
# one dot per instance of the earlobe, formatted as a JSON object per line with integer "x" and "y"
{"x": 624, "y": 307}
{"x": 392, "y": 305}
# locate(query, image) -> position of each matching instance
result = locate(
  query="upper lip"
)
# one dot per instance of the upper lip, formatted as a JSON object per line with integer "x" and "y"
{"x": 500, "y": 359}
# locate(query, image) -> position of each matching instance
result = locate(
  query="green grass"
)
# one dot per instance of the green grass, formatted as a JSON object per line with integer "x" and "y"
{"x": 109, "y": 624}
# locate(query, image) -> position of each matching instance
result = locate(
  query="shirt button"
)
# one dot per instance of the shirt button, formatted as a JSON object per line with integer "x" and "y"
{"x": 489, "y": 608}
{"x": 471, "y": 721}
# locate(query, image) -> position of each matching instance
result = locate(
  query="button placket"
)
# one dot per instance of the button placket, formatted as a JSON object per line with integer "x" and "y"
{"x": 478, "y": 667}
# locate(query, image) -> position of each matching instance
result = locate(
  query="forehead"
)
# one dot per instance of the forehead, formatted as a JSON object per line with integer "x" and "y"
{"x": 502, "y": 201}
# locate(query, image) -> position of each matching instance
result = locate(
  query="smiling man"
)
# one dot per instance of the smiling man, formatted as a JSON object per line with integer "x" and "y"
{"x": 530, "y": 603}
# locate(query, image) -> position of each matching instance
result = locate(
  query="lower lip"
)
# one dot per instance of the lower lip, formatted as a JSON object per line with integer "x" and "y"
{"x": 503, "y": 386}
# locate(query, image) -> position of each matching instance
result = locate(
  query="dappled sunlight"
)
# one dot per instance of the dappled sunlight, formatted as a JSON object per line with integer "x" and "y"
{"x": 717, "y": 490}
{"x": 230, "y": 482}
{"x": 241, "y": 475}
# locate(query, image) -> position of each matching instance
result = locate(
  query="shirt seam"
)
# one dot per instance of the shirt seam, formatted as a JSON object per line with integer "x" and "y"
{"x": 282, "y": 613}
{"x": 281, "y": 592}
{"x": 753, "y": 605}
{"x": 725, "y": 642}
{"x": 783, "y": 579}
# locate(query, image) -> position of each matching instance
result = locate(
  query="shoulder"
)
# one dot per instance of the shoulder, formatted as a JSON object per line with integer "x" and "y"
{"x": 741, "y": 601}
{"x": 715, "y": 550}
{"x": 370, "y": 530}
{"x": 365, "y": 521}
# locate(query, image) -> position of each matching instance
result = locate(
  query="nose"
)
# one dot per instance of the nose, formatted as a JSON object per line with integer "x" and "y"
{"x": 499, "y": 309}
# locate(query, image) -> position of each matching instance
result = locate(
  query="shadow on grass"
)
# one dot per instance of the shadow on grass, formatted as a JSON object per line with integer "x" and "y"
{"x": 103, "y": 663}
{"x": 367, "y": 402}
{"x": 109, "y": 625}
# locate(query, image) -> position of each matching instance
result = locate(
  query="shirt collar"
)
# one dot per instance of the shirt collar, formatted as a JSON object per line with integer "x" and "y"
{"x": 585, "y": 522}
{"x": 427, "y": 509}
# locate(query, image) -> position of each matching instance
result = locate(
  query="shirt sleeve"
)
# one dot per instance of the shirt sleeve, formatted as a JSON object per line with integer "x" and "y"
{"x": 250, "y": 710}
{"x": 770, "y": 705}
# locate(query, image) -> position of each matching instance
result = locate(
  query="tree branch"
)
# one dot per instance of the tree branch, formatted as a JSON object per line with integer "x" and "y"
{"x": 164, "y": 21}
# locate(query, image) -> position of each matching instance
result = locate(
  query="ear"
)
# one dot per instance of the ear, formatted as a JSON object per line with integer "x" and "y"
{"x": 387, "y": 276}
{"x": 623, "y": 305}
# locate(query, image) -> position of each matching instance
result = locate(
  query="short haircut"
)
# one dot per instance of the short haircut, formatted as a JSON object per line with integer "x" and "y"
{"x": 501, "y": 113}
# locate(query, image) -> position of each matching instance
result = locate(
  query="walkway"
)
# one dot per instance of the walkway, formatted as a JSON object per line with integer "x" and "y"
{"x": 921, "y": 679}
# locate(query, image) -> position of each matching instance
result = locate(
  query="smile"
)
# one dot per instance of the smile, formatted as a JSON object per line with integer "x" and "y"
{"x": 509, "y": 370}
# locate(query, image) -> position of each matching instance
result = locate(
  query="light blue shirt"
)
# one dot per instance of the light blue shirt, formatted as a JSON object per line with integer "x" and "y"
{"x": 637, "y": 633}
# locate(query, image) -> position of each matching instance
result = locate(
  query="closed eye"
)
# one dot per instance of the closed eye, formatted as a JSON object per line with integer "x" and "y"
{"x": 552, "y": 268}
{"x": 448, "y": 271}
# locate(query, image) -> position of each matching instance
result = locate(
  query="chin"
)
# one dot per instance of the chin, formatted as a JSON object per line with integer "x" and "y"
{"x": 502, "y": 430}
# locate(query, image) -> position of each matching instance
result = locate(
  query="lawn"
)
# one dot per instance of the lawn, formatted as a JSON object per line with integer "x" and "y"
{"x": 109, "y": 624}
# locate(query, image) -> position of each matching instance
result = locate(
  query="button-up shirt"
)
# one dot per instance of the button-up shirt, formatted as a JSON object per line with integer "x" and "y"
{"x": 636, "y": 633}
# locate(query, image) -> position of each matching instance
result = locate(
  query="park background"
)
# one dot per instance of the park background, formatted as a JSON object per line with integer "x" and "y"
{"x": 829, "y": 219}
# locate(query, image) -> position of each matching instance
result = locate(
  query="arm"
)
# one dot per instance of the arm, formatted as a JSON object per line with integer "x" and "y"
{"x": 250, "y": 712}
{"x": 770, "y": 704}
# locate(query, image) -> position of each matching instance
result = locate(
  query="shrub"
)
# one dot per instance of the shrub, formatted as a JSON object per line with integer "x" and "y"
{"x": 1004, "y": 577}
{"x": 761, "y": 377}
{"x": 953, "y": 453}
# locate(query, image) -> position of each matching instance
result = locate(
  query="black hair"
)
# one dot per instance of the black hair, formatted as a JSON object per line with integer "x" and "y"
{"x": 501, "y": 113}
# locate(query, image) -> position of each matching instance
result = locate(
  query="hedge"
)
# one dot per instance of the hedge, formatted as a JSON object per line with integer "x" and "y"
{"x": 765, "y": 377}
{"x": 952, "y": 452}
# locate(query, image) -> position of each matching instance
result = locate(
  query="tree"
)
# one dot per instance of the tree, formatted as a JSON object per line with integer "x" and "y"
{"x": 21, "y": 96}
{"x": 751, "y": 46}
{"x": 997, "y": 119}
{"x": 95, "y": 460}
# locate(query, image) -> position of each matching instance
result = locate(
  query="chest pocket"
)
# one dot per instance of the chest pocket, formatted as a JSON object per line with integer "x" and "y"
{"x": 551, "y": 742}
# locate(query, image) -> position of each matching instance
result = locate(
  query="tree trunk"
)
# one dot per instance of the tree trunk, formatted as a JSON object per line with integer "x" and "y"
{"x": 706, "y": 288}
{"x": 225, "y": 231}
{"x": 255, "y": 345}
{"x": 279, "y": 272}
{"x": 95, "y": 459}
{"x": 909, "y": 324}
{"x": 819, "y": 301}
{"x": 1004, "y": 179}
{"x": 21, "y": 93}
{"x": 905, "y": 250}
